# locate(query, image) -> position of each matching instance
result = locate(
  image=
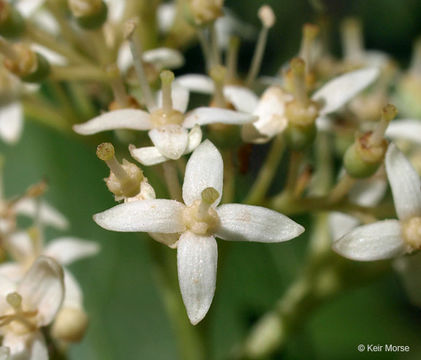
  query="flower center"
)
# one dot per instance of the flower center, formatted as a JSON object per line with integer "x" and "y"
{"x": 200, "y": 217}
{"x": 411, "y": 232}
{"x": 20, "y": 321}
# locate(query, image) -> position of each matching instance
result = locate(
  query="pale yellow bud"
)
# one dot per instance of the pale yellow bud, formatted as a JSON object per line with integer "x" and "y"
{"x": 70, "y": 324}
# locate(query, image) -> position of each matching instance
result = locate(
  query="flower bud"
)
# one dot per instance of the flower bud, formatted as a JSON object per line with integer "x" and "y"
{"x": 89, "y": 14}
{"x": 12, "y": 23}
{"x": 362, "y": 160}
{"x": 70, "y": 325}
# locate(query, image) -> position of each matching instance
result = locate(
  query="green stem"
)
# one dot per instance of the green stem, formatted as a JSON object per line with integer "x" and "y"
{"x": 229, "y": 177}
{"x": 171, "y": 178}
{"x": 82, "y": 73}
{"x": 267, "y": 172}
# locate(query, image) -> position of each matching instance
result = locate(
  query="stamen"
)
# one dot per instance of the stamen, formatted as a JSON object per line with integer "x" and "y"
{"x": 299, "y": 81}
{"x": 167, "y": 77}
{"x": 131, "y": 34}
{"x": 232, "y": 58}
{"x": 389, "y": 112}
{"x": 117, "y": 85}
{"x": 310, "y": 32}
{"x": 267, "y": 17}
{"x": 415, "y": 67}
{"x": 218, "y": 74}
{"x": 352, "y": 39}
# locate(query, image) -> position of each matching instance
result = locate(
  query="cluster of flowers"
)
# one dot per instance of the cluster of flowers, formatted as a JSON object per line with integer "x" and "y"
{"x": 39, "y": 295}
{"x": 313, "y": 94}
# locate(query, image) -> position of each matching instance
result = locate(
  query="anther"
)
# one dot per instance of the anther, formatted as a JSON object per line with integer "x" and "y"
{"x": 209, "y": 195}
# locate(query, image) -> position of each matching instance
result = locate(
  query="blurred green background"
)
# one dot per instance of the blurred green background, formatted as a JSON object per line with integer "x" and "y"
{"x": 128, "y": 319}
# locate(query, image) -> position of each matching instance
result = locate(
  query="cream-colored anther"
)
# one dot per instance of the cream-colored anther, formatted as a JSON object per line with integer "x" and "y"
{"x": 411, "y": 232}
{"x": 14, "y": 300}
{"x": 167, "y": 77}
{"x": 218, "y": 74}
{"x": 389, "y": 112}
{"x": 201, "y": 218}
{"x": 206, "y": 11}
{"x": 266, "y": 16}
{"x": 124, "y": 180}
{"x": 81, "y": 8}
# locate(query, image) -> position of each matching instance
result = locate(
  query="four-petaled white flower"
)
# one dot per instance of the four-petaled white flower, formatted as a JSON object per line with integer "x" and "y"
{"x": 28, "y": 306}
{"x": 167, "y": 124}
{"x": 198, "y": 221}
{"x": 390, "y": 238}
{"x": 271, "y": 107}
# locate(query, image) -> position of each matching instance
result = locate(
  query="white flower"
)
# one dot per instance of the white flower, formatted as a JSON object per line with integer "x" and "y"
{"x": 28, "y": 306}
{"x": 405, "y": 129}
{"x": 167, "y": 124}
{"x": 390, "y": 238}
{"x": 270, "y": 109}
{"x": 197, "y": 222}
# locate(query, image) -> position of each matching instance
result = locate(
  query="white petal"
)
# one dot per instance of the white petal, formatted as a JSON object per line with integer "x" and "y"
{"x": 406, "y": 129}
{"x": 341, "y": 224}
{"x": 195, "y": 137}
{"x": 271, "y": 112}
{"x": 115, "y": 9}
{"x": 165, "y": 16}
{"x": 368, "y": 192}
{"x": 46, "y": 21}
{"x": 376, "y": 58}
{"x": 409, "y": 268}
{"x": 42, "y": 289}
{"x": 148, "y": 155}
{"x": 206, "y": 115}
{"x": 4, "y": 353}
{"x": 197, "y": 258}
{"x": 204, "y": 169}
{"x": 11, "y": 122}
{"x": 337, "y": 92}
{"x": 164, "y": 58}
{"x": 196, "y": 83}
{"x": 240, "y": 222}
{"x": 158, "y": 215}
{"x": 124, "y": 57}
{"x": 180, "y": 98}
{"x": 29, "y": 346}
{"x": 378, "y": 241}
{"x": 48, "y": 214}
{"x": 241, "y": 97}
{"x": 168, "y": 239}
{"x": 73, "y": 296}
{"x": 20, "y": 246}
{"x": 13, "y": 271}
{"x": 405, "y": 183}
{"x": 170, "y": 140}
{"x": 28, "y": 7}
{"x": 66, "y": 250}
{"x": 119, "y": 119}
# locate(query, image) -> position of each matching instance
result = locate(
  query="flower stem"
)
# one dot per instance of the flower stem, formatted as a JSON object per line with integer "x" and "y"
{"x": 267, "y": 172}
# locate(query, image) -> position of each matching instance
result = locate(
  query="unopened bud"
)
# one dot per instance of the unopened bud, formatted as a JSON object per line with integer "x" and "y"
{"x": 89, "y": 14}
{"x": 266, "y": 16}
{"x": 70, "y": 324}
{"x": 12, "y": 23}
